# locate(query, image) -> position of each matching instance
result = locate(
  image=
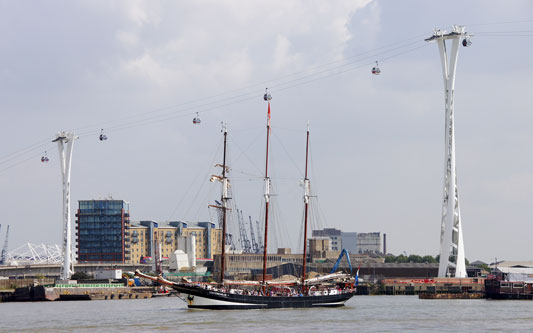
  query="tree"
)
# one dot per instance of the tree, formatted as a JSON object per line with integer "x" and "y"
{"x": 429, "y": 259}
{"x": 390, "y": 258}
{"x": 81, "y": 276}
{"x": 414, "y": 258}
{"x": 402, "y": 259}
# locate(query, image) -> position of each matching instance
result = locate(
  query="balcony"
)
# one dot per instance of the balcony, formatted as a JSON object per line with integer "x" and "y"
{"x": 127, "y": 246}
{"x": 126, "y": 239}
{"x": 127, "y": 251}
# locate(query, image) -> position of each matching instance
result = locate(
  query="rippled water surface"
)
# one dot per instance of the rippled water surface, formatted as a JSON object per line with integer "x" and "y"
{"x": 363, "y": 313}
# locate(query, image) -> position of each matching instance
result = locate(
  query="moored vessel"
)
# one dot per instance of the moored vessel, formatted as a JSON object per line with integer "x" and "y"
{"x": 509, "y": 287}
{"x": 331, "y": 290}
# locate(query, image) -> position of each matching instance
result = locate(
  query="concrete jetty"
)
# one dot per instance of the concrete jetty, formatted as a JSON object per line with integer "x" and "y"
{"x": 77, "y": 292}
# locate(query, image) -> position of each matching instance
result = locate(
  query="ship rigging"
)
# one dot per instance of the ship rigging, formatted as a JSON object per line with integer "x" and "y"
{"x": 232, "y": 294}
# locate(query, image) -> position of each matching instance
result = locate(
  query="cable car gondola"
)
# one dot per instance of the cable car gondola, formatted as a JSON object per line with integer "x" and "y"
{"x": 267, "y": 96}
{"x": 376, "y": 70}
{"x": 102, "y": 136}
{"x": 196, "y": 120}
{"x": 45, "y": 158}
{"x": 467, "y": 42}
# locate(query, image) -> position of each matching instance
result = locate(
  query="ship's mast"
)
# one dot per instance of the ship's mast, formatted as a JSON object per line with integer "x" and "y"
{"x": 307, "y": 193}
{"x": 267, "y": 98}
{"x": 224, "y": 207}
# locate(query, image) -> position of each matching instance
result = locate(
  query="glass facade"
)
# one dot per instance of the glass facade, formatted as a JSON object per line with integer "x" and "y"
{"x": 103, "y": 230}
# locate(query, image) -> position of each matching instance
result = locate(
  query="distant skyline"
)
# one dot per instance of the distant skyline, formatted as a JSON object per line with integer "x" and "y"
{"x": 140, "y": 70}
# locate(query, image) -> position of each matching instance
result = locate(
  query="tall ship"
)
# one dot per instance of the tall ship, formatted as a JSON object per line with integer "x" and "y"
{"x": 332, "y": 290}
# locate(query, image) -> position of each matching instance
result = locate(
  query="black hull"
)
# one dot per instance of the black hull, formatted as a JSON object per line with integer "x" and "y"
{"x": 200, "y": 298}
{"x": 504, "y": 296}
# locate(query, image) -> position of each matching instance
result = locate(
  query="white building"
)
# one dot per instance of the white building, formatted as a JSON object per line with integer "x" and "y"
{"x": 370, "y": 242}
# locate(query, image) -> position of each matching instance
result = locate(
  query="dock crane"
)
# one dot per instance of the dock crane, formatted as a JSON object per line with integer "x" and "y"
{"x": 243, "y": 237}
{"x": 3, "y": 256}
{"x": 260, "y": 242}
{"x": 343, "y": 253}
{"x": 255, "y": 246}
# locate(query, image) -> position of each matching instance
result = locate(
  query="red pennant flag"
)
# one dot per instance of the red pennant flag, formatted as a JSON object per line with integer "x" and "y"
{"x": 269, "y": 113}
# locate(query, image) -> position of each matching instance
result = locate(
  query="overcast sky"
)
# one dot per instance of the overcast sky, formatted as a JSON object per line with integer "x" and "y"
{"x": 142, "y": 69}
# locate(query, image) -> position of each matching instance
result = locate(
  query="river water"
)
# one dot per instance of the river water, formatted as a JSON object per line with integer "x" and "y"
{"x": 361, "y": 313}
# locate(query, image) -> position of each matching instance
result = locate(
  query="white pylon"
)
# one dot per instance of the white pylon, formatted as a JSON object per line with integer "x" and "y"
{"x": 65, "y": 141}
{"x": 452, "y": 254}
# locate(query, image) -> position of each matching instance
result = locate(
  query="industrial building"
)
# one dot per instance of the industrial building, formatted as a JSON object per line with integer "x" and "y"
{"x": 244, "y": 263}
{"x": 353, "y": 242}
{"x": 369, "y": 242}
{"x": 335, "y": 236}
{"x": 319, "y": 249}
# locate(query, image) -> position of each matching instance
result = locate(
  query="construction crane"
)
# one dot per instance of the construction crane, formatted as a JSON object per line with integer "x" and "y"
{"x": 260, "y": 243}
{"x": 343, "y": 253}
{"x": 243, "y": 237}
{"x": 3, "y": 257}
{"x": 255, "y": 246}
{"x": 229, "y": 237}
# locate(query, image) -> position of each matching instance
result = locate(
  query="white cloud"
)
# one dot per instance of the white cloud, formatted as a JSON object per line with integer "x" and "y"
{"x": 139, "y": 11}
{"x": 146, "y": 67}
{"x": 219, "y": 39}
{"x": 282, "y": 54}
{"x": 127, "y": 38}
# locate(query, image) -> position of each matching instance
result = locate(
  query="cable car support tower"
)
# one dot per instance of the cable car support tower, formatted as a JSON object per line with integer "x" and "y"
{"x": 65, "y": 142}
{"x": 452, "y": 254}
